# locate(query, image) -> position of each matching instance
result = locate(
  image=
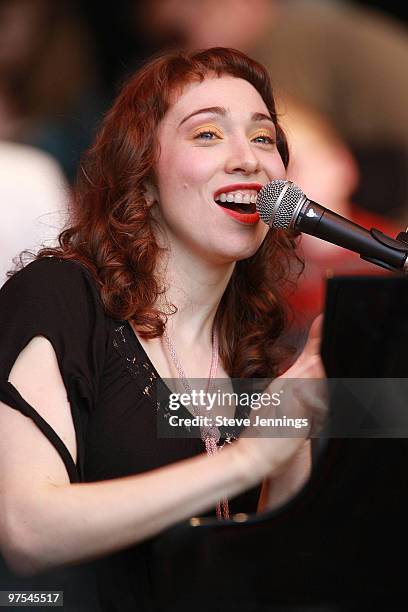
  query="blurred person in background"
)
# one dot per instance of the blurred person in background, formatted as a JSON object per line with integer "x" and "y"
{"x": 324, "y": 168}
{"x": 50, "y": 87}
{"x": 344, "y": 60}
{"x": 34, "y": 199}
{"x": 49, "y": 105}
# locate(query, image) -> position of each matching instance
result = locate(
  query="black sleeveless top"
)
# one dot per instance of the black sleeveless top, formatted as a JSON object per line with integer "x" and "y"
{"x": 110, "y": 384}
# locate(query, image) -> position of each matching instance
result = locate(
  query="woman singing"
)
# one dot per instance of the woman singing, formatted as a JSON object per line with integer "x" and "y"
{"x": 165, "y": 272}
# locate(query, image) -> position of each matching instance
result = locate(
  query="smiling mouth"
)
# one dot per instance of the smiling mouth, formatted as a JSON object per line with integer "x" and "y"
{"x": 242, "y": 200}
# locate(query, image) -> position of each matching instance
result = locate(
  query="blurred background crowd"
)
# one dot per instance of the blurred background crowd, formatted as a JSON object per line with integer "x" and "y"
{"x": 339, "y": 70}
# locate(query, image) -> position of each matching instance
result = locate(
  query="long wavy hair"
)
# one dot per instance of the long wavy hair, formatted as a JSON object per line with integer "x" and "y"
{"x": 112, "y": 226}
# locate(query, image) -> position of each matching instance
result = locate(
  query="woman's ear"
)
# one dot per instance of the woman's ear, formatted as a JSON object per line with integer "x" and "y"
{"x": 150, "y": 192}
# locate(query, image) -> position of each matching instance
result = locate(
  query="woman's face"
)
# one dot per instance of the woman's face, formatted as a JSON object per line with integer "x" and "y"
{"x": 217, "y": 150}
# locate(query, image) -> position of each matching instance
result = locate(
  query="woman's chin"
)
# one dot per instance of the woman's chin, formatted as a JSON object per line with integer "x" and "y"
{"x": 232, "y": 255}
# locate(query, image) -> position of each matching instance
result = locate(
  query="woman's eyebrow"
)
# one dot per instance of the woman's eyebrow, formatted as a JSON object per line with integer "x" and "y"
{"x": 219, "y": 110}
{"x": 215, "y": 110}
{"x": 261, "y": 117}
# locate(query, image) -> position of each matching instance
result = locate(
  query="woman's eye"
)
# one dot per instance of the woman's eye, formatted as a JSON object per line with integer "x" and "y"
{"x": 264, "y": 139}
{"x": 206, "y": 135}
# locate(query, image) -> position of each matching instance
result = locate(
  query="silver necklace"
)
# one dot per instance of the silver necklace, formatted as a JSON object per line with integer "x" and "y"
{"x": 209, "y": 435}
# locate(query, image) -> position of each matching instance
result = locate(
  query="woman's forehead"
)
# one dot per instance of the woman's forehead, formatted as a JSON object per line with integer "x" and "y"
{"x": 224, "y": 91}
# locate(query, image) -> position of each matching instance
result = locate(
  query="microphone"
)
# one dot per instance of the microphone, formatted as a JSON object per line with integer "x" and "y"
{"x": 283, "y": 205}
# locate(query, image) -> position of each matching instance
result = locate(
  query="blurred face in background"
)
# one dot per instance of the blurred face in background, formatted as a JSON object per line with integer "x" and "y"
{"x": 46, "y": 61}
{"x": 23, "y": 25}
{"x": 217, "y": 142}
{"x": 199, "y": 24}
{"x": 320, "y": 162}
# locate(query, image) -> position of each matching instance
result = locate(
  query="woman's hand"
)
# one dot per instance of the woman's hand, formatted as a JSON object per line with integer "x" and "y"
{"x": 269, "y": 448}
{"x": 309, "y": 379}
{"x": 309, "y": 363}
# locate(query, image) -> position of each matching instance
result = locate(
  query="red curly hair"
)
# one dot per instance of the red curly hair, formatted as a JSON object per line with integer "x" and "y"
{"x": 112, "y": 231}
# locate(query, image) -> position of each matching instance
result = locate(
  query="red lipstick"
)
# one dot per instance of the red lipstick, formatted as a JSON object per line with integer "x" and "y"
{"x": 249, "y": 218}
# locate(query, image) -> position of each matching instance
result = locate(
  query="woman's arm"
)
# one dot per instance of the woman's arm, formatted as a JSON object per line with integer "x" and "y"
{"x": 45, "y": 521}
{"x": 280, "y": 489}
{"x": 307, "y": 375}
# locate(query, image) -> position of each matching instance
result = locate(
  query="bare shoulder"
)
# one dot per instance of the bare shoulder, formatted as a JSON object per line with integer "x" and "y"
{"x": 28, "y": 457}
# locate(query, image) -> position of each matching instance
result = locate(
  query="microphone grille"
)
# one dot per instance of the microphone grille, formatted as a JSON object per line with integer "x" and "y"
{"x": 275, "y": 211}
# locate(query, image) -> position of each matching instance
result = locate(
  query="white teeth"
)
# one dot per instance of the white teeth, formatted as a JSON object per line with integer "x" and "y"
{"x": 239, "y": 197}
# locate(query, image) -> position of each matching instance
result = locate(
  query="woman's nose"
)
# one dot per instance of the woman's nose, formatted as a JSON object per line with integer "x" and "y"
{"x": 242, "y": 159}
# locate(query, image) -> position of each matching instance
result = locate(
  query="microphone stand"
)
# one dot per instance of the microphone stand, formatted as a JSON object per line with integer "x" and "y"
{"x": 400, "y": 243}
